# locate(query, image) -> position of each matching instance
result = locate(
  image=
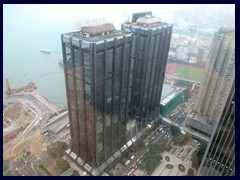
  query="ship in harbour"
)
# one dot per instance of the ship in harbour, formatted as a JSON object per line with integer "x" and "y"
{"x": 46, "y": 51}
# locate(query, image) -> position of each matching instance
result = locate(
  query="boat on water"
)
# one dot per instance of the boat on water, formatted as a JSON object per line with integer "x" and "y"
{"x": 46, "y": 51}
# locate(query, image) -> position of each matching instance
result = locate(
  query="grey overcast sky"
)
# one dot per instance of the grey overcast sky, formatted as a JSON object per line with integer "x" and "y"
{"x": 112, "y": 12}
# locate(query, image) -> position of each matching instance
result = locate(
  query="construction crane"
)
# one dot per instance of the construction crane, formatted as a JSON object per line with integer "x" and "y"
{"x": 9, "y": 89}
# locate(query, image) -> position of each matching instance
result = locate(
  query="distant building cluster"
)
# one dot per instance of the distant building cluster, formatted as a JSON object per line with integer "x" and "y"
{"x": 190, "y": 45}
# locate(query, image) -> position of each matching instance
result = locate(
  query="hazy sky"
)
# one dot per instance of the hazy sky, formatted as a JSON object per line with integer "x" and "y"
{"x": 112, "y": 12}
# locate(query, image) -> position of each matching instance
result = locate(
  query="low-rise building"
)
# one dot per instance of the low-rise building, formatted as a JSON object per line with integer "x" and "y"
{"x": 172, "y": 100}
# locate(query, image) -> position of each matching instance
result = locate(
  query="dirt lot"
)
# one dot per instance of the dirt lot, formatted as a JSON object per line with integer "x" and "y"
{"x": 16, "y": 118}
{"x": 18, "y": 113}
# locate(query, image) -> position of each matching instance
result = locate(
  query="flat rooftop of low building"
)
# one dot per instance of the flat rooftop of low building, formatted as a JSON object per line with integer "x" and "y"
{"x": 197, "y": 117}
{"x": 171, "y": 95}
{"x": 166, "y": 90}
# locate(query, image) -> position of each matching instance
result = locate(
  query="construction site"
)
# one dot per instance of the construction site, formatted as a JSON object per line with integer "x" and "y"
{"x": 31, "y": 124}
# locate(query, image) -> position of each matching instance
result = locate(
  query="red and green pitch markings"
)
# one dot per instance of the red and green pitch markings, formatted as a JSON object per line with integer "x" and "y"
{"x": 185, "y": 71}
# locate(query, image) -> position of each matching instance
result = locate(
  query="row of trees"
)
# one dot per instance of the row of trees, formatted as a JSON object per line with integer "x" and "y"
{"x": 153, "y": 157}
{"x": 57, "y": 149}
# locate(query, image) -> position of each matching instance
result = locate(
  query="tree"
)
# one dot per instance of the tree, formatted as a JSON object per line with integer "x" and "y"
{"x": 57, "y": 149}
{"x": 182, "y": 140}
{"x": 190, "y": 172}
{"x": 175, "y": 130}
{"x": 202, "y": 148}
{"x": 195, "y": 160}
{"x": 152, "y": 158}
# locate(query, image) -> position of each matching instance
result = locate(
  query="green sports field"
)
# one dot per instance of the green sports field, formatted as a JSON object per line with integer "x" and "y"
{"x": 189, "y": 72}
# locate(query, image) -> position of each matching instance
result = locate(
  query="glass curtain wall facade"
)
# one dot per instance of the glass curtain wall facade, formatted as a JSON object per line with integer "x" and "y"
{"x": 219, "y": 158}
{"x": 149, "y": 56}
{"x": 97, "y": 83}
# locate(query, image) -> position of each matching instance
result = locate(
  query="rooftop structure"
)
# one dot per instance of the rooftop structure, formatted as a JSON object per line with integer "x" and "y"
{"x": 172, "y": 100}
{"x": 166, "y": 90}
{"x": 98, "y": 30}
{"x": 96, "y": 33}
{"x": 135, "y": 16}
{"x": 147, "y": 21}
{"x": 168, "y": 98}
{"x": 199, "y": 124}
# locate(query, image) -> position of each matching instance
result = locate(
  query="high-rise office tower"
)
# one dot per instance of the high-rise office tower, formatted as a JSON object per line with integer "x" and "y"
{"x": 151, "y": 40}
{"x": 217, "y": 82}
{"x": 219, "y": 87}
{"x": 97, "y": 67}
{"x": 219, "y": 158}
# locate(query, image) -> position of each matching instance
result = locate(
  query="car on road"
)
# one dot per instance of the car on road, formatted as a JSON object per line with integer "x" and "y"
{"x": 127, "y": 162}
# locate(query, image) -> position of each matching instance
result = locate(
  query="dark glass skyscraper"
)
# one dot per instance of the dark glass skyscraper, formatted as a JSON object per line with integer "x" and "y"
{"x": 219, "y": 159}
{"x": 112, "y": 76}
{"x": 97, "y": 68}
{"x": 151, "y": 41}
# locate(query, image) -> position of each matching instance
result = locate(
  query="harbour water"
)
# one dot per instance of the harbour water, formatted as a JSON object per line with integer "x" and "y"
{"x": 23, "y": 40}
{"x": 28, "y": 29}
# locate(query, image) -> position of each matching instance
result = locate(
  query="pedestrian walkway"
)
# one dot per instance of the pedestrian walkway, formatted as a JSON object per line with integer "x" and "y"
{"x": 177, "y": 156}
{"x": 52, "y": 107}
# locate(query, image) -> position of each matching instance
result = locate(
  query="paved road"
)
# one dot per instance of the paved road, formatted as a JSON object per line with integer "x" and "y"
{"x": 132, "y": 162}
{"x": 157, "y": 137}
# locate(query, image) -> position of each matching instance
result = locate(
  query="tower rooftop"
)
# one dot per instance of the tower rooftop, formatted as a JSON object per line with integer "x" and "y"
{"x": 148, "y": 20}
{"x": 97, "y": 33}
{"x": 95, "y": 30}
{"x": 226, "y": 30}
